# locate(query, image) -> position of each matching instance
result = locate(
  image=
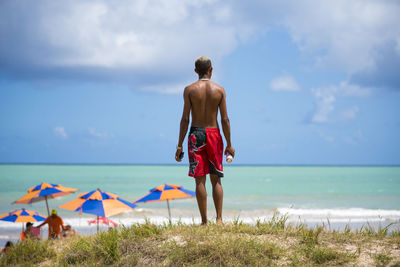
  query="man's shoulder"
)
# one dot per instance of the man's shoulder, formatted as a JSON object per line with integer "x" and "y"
{"x": 217, "y": 86}
{"x": 196, "y": 85}
{"x": 192, "y": 85}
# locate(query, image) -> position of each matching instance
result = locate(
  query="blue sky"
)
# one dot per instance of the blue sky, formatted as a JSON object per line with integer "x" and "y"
{"x": 101, "y": 82}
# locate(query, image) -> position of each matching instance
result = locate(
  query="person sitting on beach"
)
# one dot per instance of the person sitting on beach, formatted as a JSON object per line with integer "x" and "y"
{"x": 56, "y": 225}
{"x": 68, "y": 232}
{"x": 29, "y": 232}
{"x": 205, "y": 146}
{"x": 9, "y": 245}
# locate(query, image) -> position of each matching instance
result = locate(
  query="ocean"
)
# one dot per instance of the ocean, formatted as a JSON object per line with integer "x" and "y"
{"x": 310, "y": 194}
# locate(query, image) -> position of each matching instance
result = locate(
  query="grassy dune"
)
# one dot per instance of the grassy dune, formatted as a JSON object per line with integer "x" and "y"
{"x": 270, "y": 243}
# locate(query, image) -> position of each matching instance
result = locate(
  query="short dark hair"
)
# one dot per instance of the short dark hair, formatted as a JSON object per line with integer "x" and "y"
{"x": 29, "y": 224}
{"x": 202, "y": 64}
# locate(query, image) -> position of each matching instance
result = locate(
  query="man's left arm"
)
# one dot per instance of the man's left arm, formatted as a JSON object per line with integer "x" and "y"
{"x": 184, "y": 123}
{"x": 43, "y": 223}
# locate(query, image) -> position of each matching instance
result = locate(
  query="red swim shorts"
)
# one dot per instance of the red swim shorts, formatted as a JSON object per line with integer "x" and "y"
{"x": 205, "y": 148}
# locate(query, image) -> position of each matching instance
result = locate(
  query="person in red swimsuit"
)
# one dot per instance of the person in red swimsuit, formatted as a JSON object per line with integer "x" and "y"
{"x": 205, "y": 146}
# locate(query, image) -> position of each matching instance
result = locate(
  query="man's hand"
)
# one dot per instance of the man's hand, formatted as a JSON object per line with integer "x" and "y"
{"x": 230, "y": 150}
{"x": 178, "y": 152}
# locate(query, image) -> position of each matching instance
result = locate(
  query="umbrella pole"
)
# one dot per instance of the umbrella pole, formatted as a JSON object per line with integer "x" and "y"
{"x": 47, "y": 205}
{"x": 97, "y": 223}
{"x": 169, "y": 211}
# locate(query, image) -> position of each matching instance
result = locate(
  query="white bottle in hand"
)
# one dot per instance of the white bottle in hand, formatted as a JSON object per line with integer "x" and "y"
{"x": 229, "y": 157}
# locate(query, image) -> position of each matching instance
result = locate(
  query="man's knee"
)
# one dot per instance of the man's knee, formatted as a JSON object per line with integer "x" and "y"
{"x": 215, "y": 179}
{"x": 200, "y": 180}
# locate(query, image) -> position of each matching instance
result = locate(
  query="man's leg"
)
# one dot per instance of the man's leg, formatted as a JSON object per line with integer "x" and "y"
{"x": 201, "y": 196}
{"x": 218, "y": 195}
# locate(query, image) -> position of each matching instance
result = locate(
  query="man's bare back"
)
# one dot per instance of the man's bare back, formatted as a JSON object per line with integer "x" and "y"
{"x": 205, "y": 97}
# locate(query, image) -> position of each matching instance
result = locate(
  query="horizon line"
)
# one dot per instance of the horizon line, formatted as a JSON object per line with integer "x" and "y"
{"x": 175, "y": 164}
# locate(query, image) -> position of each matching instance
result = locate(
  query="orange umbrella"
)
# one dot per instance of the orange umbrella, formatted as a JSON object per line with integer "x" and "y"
{"x": 166, "y": 192}
{"x": 99, "y": 203}
{"x": 22, "y": 216}
{"x": 44, "y": 191}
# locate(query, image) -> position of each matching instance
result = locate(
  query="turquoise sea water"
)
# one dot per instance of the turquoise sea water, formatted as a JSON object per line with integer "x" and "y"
{"x": 342, "y": 194}
{"x": 245, "y": 187}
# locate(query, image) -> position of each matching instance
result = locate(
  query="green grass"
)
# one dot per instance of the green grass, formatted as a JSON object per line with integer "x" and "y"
{"x": 381, "y": 259}
{"x": 29, "y": 252}
{"x": 221, "y": 251}
{"x": 267, "y": 243}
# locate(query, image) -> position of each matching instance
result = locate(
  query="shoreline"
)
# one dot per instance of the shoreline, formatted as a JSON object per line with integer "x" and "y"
{"x": 250, "y": 216}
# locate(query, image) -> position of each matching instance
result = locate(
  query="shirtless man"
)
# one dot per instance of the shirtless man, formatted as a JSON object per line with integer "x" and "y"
{"x": 56, "y": 225}
{"x": 203, "y": 98}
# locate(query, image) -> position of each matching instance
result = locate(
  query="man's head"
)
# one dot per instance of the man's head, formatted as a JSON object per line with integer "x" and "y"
{"x": 54, "y": 213}
{"x": 203, "y": 66}
{"x": 28, "y": 225}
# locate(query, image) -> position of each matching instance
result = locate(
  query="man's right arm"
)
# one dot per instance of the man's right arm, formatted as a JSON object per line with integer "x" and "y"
{"x": 226, "y": 126}
{"x": 187, "y": 106}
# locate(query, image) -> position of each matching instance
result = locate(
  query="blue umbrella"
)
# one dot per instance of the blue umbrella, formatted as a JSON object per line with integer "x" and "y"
{"x": 166, "y": 192}
{"x": 99, "y": 203}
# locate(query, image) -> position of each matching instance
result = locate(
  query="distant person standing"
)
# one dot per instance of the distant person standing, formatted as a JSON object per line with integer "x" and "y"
{"x": 203, "y": 99}
{"x": 56, "y": 224}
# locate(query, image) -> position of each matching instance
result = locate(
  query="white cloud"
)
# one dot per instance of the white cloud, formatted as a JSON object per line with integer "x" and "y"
{"x": 326, "y": 97}
{"x": 354, "y": 138}
{"x": 349, "y": 114}
{"x": 166, "y": 88}
{"x": 59, "y": 131}
{"x": 146, "y": 38}
{"x": 101, "y": 135}
{"x": 284, "y": 83}
{"x": 148, "y": 42}
{"x": 327, "y": 138}
{"x": 343, "y": 34}
{"x": 353, "y": 90}
{"x": 398, "y": 46}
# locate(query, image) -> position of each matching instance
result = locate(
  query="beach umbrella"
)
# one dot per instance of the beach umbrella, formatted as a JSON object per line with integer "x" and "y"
{"x": 44, "y": 191}
{"x": 166, "y": 192}
{"x": 99, "y": 203}
{"x": 103, "y": 220}
{"x": 23, "y": 216}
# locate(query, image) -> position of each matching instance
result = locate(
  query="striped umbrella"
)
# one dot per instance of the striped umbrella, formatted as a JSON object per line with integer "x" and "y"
{"x": 44, "y": 191}
{"x": 23, "y": 216}
{"x": 99, "y": 203}
{"x": 166, "y": 192}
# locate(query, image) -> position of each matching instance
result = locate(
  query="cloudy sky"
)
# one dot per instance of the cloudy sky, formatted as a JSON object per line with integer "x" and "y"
{"x": 307, "y": 82}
